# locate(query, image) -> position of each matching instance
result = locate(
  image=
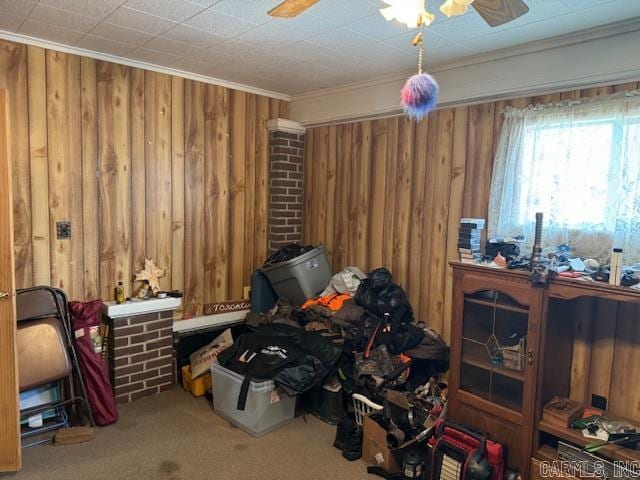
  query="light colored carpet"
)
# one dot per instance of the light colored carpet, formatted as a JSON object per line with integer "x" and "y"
{"x": 177, "y": 437}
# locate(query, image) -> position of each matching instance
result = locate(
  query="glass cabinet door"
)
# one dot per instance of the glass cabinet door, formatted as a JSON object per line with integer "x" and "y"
{"x": 494, "y": 347}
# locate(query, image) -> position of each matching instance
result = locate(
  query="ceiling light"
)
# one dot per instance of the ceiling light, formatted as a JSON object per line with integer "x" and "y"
{"x": 409, "y": 12}
{"x": 455, "y": 7}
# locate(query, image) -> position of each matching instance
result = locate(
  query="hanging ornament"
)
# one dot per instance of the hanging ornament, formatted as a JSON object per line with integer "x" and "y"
{"x": 420, "y": 94}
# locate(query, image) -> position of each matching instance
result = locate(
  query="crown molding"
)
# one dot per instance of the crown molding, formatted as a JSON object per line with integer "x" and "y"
{"x": 283, "y": 125}
{"x": 25, "y": 39}
{"x": 603, "y": 31}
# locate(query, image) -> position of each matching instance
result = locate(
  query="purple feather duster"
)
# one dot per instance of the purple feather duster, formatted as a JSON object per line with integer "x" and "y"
{"x": 419, "y": 95}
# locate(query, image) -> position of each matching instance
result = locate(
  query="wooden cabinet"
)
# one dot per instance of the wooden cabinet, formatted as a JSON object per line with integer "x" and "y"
{"x": 494, "y": 338}
{"x": 515, "y": 346}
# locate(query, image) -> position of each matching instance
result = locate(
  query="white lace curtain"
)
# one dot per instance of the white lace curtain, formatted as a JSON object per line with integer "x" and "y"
{"x": 578, "y": 162}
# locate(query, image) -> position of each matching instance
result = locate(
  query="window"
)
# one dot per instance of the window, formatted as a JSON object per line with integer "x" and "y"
{"x": 579, "y": 164}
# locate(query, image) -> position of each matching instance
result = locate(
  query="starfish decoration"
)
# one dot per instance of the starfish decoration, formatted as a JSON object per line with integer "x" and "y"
{"x": 150, "y": 274}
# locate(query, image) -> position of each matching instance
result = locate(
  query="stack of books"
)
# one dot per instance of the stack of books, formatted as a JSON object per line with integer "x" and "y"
{"x": 469, "y": 239}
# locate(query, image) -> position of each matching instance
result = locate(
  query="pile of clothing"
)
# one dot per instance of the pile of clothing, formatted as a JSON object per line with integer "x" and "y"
{"x": 370, "y": 321}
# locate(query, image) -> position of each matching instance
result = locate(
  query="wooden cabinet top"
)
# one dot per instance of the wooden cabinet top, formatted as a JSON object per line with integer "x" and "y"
{"x": 562, "y": 288}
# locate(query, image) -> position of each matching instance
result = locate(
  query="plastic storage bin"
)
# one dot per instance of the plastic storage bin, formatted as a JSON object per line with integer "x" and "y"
{"x": 302, "y": 277}
{"x": 267, "y": 407}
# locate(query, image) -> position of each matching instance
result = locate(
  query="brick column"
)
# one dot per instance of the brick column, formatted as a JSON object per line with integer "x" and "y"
{"x": 140, "y": 354}
{"x": 286, "y": 171}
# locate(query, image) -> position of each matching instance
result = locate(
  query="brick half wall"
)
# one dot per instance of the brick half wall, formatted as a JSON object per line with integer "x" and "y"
{"x": 140, "y": 352}
{"x": 286, "y": 173}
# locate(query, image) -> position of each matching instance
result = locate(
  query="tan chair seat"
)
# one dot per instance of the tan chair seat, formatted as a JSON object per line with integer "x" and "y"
{"x": 42, "y": 354}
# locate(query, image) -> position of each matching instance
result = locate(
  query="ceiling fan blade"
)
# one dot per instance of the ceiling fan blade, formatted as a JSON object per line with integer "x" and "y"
{"x": 499, "y": 12}
{"x": 291, "y": 8}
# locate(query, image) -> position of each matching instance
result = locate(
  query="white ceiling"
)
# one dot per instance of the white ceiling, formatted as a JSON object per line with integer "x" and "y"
{"x": 334, "y": 43}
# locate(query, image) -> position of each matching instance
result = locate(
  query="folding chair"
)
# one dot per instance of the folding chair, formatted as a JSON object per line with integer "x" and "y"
{"x": 46, "y": 355}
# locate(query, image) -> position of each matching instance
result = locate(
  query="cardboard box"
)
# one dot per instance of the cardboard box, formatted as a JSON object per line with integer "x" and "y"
{"x": 376, "y": 451}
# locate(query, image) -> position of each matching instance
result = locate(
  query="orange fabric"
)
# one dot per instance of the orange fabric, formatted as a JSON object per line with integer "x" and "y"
{"x": 333, "y": 302}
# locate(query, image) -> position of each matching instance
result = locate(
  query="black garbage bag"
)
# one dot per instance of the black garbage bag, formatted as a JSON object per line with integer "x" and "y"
{"x": 430, "y": 358}
{"x": 287, "y": 252}
{"x": 379, "y": 295}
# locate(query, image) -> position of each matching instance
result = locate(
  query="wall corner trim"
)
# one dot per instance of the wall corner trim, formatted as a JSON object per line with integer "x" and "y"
{"x": 283, "y": 125}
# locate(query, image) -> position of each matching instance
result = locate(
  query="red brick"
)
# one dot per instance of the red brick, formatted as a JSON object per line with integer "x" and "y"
{"x": 126, "y": 331}
{"x": 158, "y": 324}
{"x": 287, "y": 135}
{"x": 120, "y": 361}
{"x": 147, "y": 374}
{"x": 144, "y": 393}
{"x": 144, "y": 337}
{"x": 143, "y": 318}
{"x": 166, "y": 370}
{"x": 166, "y": 386}
{"x": 130, "y": 369}
{"x": 120, "y": 342}
{"x": 163, "y": 342}
{"x": 158, "y": 362}
{"x": 141, "y": 357}
{"x": 126, "y": 398}
{"x": 132, "y": 349}
{"x": 166, "y": 351}
{"x": 132, "y": 387}
{"x": 158, "y": 381}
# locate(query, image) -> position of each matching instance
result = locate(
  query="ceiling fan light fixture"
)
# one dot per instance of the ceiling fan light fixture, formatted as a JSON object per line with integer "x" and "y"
{"x": 409, "y": 12}
{"x": 452, "y": 8}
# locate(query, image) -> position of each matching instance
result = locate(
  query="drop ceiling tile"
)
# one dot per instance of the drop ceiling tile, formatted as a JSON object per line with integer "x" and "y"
{"x": 609, "y": 13}
{"x": 135, "y": 20}
{"x": 173, "y": 47}
{"x": 189, "y": 64}
{"x": 121, "y": 34}
{"x": 103, "y": 45}
{"x": 538, "y": 10}
{"x": 89, "y": 8}
{"x": 340, "y": 38}
{"x": 9, "y": 23}
{"x": 378, "y": 27}
{"x": 204, "y": 3}
{"x": 282, "y": 32}
{"x": 176, "y": 10}
{"x": 16, "y": 9}
{"x": 252, "y": 11}
{"x": 192, "y": 36}
{"x": 526, "y": 34}
{"x": 341, "y": 12}
{"x": 463, "y": 28}
{"x": 584, "y": 4}
{"x": 152, "y": 56}
{"x": 45, "y": 31}
{"x": 219, "y": 24}
{"x": 448, "y": 54}
{"x": 62, "y": 18}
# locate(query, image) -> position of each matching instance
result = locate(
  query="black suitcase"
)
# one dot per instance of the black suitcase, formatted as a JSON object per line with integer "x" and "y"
{"x": 263, "y": 297}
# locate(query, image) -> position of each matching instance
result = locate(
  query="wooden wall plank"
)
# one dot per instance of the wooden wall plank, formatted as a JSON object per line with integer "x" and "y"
{"x": 250, "y": 181}
{"x": 217, "y": 188}
{"x": 177, "y": 183}
{"x": 456, "y": 194}
{"x": 319, "y": 180}
{"x": 419, "y": 171}
{"x": 13, "y": 78}
{"x": 406, "y": 132}
{"x": 39, "y": 166}
{"x": 341, "y": 228}
{"x": 90, "y": 200}
{"x": 309, "y": 199}
{"x": 332, "y": 165}
{"x": 65, "y": 169}
{"x": 377, "y": 192}
{"x": 194, "y": 199}
{"x": 390, "y": 193}
{"x": 138, "y": 173}
{"x": 157, "y": 106}
{"x": 363, "y": 187}
{"x": 114, "y": 157}
{"x": 261, "y": 181}
{"x": 237, "y": 190}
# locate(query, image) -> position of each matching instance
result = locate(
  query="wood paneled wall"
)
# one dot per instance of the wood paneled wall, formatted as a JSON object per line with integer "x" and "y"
{"x": 391, "y": 192}
{"x": 142, "y": 164}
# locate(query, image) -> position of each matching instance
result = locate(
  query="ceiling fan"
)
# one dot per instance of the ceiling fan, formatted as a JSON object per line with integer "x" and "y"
{"x": 494, "y": 12}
